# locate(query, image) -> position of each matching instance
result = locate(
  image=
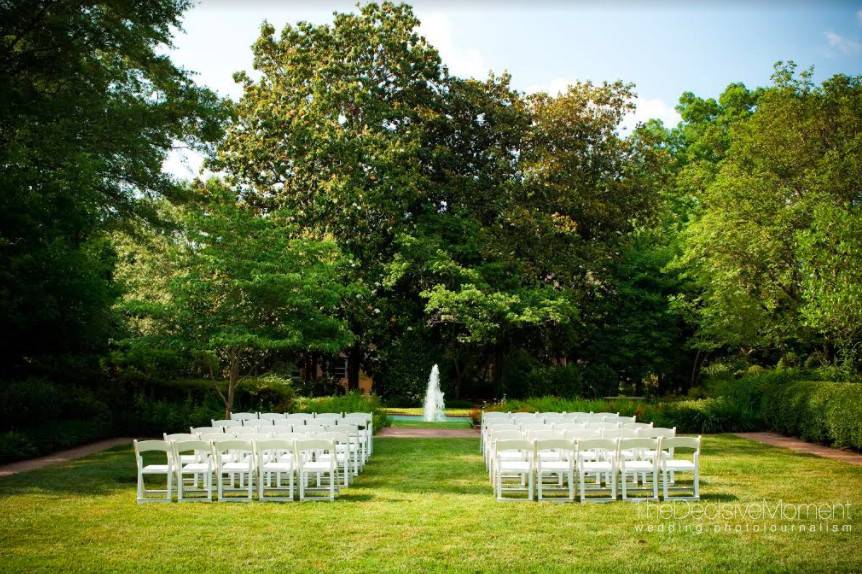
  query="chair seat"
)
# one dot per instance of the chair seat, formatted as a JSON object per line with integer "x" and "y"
{"x": 196, "y": 467}
{"x": 317, "y": 466}
{"x": 554, "y": 466}
{"x": 639, "y": 466}
{"x": 236, "y": 467}
{"x": 287, "y": 457}
{"x": 518, "y": 466}
{"x": 278, "y": 467}
{"x": 597, "y": 466}
{"x": 549, "y": 455}
{"x": 156, "y": 469}
{"x": 678, "y": 464}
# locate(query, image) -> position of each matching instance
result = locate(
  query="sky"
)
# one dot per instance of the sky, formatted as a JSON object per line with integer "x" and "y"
{"x": 664, "y": 47}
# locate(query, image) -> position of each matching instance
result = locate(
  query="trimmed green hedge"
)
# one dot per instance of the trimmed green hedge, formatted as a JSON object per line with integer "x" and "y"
{"x": 821, "y": 411}
{"x": 352, "y": 402}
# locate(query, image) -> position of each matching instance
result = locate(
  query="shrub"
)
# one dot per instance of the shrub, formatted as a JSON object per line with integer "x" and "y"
{"x": 348, "y": 403}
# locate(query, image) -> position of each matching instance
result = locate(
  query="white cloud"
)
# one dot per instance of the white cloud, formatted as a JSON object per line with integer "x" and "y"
{"x": 651, "y": 108}
{"x": 439, "y": 30}
{"x": 554, "y": 88}
{"x": 842, "y": 44}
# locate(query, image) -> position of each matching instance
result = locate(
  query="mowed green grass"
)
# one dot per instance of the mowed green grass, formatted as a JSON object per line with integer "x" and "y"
{"x": 463, "y": 424}
{"x": 418, "y": 411}
{"x": 424, "y": 505}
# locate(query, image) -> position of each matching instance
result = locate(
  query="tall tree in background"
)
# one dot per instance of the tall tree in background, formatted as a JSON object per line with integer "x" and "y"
{"x": 90, "y": 109}
{"x": 788, "y": 169}
{"x": 333, "y": 131}
{"x": 237, "y": 284}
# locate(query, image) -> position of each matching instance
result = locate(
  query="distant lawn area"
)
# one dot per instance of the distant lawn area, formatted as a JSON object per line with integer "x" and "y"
{"x": 425, "y": 505}
{"x": 435, "y": 425}
{"x": 418, "y": 411}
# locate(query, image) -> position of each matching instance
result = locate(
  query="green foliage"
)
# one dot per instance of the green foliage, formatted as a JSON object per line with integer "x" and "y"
{"x": 783, "y": 400}
{"x": 781, "y": 172}
{"x": 352, "y": 402}
{"x": 91, "y": 107}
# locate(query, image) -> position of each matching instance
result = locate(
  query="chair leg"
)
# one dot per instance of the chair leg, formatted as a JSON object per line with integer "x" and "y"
{"x": 664, "y": 483}
{"x": 301, "y": 486}
{"x": 539, "y": 484}
{"x": 696, "y": 482}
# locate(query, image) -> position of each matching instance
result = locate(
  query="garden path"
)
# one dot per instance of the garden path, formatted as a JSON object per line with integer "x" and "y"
{"x": 61, "y": 456}
{"x": 798, "y": 445}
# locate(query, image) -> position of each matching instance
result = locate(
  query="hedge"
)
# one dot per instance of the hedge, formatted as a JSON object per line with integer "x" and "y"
{"x": 820, "y": 411}
{"x": 38, "y": 416}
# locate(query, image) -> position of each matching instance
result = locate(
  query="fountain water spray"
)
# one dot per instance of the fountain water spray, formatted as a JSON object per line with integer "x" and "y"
{"x": 434, "y": 405}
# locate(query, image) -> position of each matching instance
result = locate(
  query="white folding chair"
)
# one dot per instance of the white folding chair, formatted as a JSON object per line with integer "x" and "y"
{"x": 561, "y": 467}
{"x": 312, "y": 461}
{"x": 365, "y": 422}
{"x": 166, "y": 470}
{"x": 639, "y": 462}
{"x": 199, "y": 467}
{"x": 271, "y": 416}
{"x": 198, "y": 430}
{"x": 513, "y": 474}
{"x": 275, "y": 458}
{"x": 226, "y": 423}
{"x": 239, "y": 463}
{"x": 597, "y": 456}
{"x": 341, "y": 454}
{"x": 668, "y": 449}
{"x": 180, "y": 436}
{"x": 242, "y": 416}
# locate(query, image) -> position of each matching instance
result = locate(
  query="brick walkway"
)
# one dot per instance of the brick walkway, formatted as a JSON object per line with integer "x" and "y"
{"x": 404, "y": 432}
{"x": 62, "y": 456}
{"x": 797, "y": 445}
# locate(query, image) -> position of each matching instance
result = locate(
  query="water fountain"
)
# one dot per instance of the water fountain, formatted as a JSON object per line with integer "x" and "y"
{"x": 434, "y": 405}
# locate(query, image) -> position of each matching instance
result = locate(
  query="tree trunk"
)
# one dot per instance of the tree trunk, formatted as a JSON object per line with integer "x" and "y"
{"x": 699, "y": 358}
{"x": 457, "y": 366}
{"x": 233, "y": 379}
{"x": 353, "y": 358}
{"x": 498, "y": 369}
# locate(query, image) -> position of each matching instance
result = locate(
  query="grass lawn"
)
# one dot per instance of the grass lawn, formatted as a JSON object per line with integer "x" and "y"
{"x": 436, "y": 425}
{"x": 418, "y": 411}
{"x": 424, "y": 505}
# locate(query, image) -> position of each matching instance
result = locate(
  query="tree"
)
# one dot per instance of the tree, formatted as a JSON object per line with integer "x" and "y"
{"x": 333, "y": 132}
{"x": 792, "y": 157}
{"x": 90, "y": 109}
{"x": 244, "y": 284}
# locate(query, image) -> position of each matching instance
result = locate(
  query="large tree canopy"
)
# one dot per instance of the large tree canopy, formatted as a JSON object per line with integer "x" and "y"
{"x": 91, "y": 106}
{"x": 787, "y": 173}
{"x": 474, "y": 215}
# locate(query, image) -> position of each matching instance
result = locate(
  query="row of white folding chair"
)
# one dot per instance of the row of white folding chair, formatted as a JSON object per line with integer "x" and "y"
{"x": 359, "y": 436}
{"x": 563, "y": 426}
{"x": 278, "y": 416}
{"x": 363, "y": 420}
{"x": 350, "y": 453}
{"x": 250, "y": 460}
{"x": 564, "y": 431}
{"x": 611, "y": 459}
